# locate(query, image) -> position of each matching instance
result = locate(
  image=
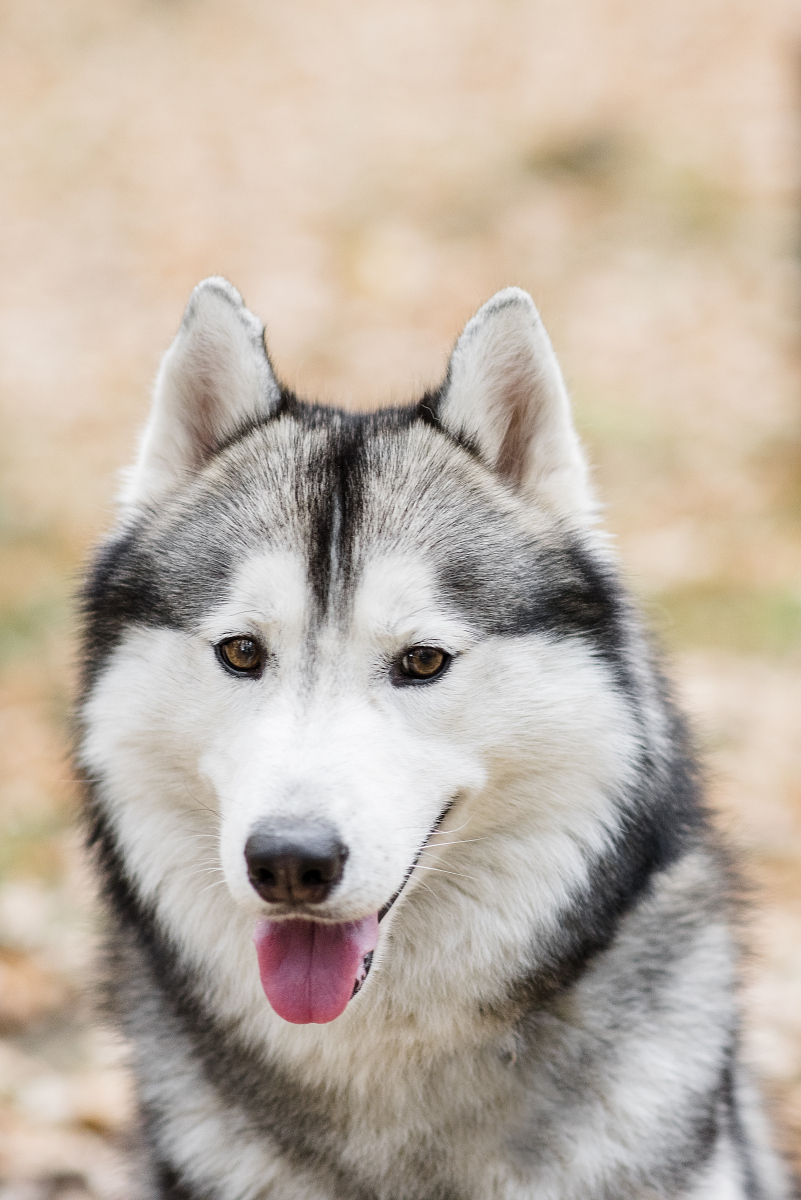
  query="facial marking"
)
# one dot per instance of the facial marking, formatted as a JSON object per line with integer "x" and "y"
{"x": 323, "y": 738}
{"x": 319, "y": 738}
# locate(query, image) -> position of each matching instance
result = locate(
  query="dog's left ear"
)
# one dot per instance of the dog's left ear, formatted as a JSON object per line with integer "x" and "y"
{"x": 505, "y": 395}
{"x": 213, "y": 380}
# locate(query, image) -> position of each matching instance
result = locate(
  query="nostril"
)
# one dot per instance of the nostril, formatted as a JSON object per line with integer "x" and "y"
{"x": 295, "y": 864}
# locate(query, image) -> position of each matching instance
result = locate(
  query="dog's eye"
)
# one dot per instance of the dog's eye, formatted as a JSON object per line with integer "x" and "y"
{"x": 243, "y": 655}
{"x": 420, "y": 663}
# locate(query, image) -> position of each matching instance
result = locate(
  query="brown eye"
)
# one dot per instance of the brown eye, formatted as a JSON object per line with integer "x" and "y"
{"x": 421, "y": 663}
{"x": 240, "y": 654}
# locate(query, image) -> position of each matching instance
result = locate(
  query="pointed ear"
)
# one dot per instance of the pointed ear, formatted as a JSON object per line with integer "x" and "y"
{"x": 214, "y": 378}
{"x": 505, "y": 394}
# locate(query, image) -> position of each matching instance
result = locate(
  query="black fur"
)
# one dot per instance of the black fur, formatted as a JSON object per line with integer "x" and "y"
{"x": 170, "y": 1186}
{"x": 736, "y": 1131}
{"x": 175, "y": 562}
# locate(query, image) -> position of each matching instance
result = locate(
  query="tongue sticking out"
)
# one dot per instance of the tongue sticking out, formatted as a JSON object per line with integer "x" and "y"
{"x": 309, "y": 970}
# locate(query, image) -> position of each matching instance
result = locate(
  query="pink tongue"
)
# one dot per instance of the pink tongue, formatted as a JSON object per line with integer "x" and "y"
{"x": 309, "y": 970}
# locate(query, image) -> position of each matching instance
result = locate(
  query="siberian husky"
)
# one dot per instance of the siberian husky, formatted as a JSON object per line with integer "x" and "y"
{"x": 412, "y": 891}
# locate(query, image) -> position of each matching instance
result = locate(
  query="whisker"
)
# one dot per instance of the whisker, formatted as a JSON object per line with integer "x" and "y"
{"x": 419, "y": 883}
{"x": 197, "y": 837}
{"x": 208, "y": 888}
{"x": 455, "y": 842}
{"x": 439, "y": 832}
{"x": 442, "y": 871}
{"x": 208, "y": 871}
{"x": 200, "y": 803}
{"x": 247, "y": 612}
{"x": 204, "y": 868}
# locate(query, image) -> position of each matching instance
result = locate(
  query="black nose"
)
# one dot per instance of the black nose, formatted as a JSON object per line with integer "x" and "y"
{"x": 295, "y": 864}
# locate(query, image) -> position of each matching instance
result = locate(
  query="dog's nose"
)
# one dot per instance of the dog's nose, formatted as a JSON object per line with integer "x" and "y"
{"x": 296, "y": 864}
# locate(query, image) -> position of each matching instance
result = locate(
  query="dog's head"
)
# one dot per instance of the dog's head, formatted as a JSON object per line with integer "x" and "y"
{"x": 331, "y": 643}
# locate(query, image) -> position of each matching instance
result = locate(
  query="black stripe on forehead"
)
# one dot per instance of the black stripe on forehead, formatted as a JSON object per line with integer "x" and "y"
{"x": 332, "y": 491}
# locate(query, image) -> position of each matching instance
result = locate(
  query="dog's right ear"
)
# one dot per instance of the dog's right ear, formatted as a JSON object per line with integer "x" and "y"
{"x": 214, "y": 378}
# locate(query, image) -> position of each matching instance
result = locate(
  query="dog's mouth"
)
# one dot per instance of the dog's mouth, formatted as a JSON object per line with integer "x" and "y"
{"x": 310, "y": 970}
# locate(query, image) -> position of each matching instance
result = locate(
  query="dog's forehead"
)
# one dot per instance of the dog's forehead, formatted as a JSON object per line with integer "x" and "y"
{"x": 342, "y": 495}
{"x": 330, "y": 520}
{"x": 342, "y": 499}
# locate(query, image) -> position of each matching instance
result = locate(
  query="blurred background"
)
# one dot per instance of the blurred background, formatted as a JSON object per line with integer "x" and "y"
{"x": 367, "y": 173}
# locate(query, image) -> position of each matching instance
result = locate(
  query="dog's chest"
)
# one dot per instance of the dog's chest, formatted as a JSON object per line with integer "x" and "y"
{"x": 425, "y": 1127}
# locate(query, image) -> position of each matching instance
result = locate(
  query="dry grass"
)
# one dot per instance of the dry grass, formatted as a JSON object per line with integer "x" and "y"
{"x": 367, "y": 173}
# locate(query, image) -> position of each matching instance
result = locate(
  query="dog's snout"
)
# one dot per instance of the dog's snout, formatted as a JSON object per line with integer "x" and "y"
{"x": 298, "y": 864}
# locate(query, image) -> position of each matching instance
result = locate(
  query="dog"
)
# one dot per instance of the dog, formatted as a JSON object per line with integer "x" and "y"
{"x": 412, "y": 894}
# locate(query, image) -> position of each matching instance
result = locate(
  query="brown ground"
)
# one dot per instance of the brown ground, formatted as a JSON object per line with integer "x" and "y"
{"x": 367, "y": 172}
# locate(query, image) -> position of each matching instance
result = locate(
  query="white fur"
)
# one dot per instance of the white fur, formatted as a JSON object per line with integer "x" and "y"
{"x": 530, "y": 739}
{"x": 189, "y": 753}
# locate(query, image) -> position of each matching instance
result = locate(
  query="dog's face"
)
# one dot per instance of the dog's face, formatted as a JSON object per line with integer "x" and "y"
{"x": 341, "y": 681}
{"x": 333, "y": 634}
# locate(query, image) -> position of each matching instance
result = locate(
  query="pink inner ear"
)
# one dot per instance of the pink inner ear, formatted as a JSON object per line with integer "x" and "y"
{"x": 214, "y": 377}
{"x": 512, "y": 458}
{"x": 506, "y": 394}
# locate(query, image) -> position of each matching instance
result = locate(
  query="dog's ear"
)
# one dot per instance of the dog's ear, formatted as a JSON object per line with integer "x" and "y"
{"x": 504, "y": 394}
{"x": 214, "y": 378}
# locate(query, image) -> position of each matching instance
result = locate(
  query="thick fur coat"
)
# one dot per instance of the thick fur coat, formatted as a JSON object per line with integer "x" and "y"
{"x": 400, "y": 637}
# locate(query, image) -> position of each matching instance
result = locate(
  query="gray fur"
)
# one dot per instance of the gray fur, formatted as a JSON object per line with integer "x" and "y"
{"x": 552, "y": 1011}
